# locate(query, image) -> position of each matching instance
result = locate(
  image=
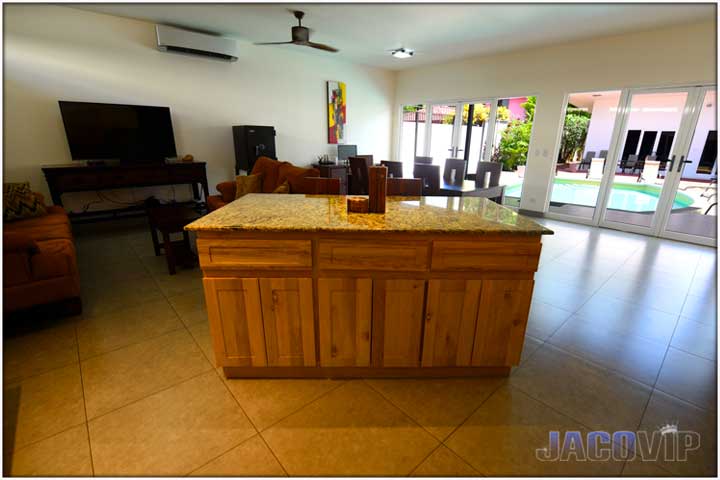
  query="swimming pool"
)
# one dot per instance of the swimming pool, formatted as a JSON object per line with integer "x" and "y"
{"x": 630, "y": 197}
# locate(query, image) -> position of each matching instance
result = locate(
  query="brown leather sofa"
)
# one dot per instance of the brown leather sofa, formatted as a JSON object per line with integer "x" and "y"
{"x": 40, "y": 262}
{"x": 274, "y": 173}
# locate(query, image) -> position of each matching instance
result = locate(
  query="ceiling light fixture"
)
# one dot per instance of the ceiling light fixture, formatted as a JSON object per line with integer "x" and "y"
{"x": 403, "y": 52}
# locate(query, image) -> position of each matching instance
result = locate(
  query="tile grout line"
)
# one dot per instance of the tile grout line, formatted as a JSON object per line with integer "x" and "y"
{"x": 87, "y": 420}
{"x": 657, "y": 376}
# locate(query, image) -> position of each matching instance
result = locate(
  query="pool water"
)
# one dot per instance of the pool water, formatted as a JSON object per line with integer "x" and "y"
{"x": 624, "y": 196}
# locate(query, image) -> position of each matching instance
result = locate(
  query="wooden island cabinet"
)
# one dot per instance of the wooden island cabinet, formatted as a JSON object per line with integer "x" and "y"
{"x": 297, "y": 287}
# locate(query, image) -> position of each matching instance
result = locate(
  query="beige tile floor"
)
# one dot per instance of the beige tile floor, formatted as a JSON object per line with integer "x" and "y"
{"x": 621, "y": 336}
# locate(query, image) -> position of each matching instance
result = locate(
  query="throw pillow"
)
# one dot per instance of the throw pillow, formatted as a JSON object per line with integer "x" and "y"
{"x": 284, "y": 188}
{"x": 20, "y": 202}
{"x": 247, "y": 184}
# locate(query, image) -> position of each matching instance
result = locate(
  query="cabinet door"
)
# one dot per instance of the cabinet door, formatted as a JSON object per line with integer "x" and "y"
{"x": 235, "y": 320}
{"x": 287, "y": 309}
{"x": 450, "y": 317}
{"x": 502, "y": 318}
{"x": 344, "y": 310}
{"x": 397, "y": 322}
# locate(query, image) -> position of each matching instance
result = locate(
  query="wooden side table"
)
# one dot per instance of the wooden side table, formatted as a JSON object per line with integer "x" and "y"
{"x": 169, "y": 219}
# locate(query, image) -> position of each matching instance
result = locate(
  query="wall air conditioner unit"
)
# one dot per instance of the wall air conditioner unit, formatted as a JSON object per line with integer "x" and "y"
{"x": 177, "y": 40}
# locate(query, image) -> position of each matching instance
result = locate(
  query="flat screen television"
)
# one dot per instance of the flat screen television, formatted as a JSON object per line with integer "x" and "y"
{"x": 129, "y": 133}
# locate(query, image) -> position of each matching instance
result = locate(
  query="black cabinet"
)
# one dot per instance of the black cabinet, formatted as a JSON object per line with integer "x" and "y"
{"x": 251, "y": 142}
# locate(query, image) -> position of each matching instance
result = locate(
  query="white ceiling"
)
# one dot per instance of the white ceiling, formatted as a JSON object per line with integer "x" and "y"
{"x": 438, "y": 33}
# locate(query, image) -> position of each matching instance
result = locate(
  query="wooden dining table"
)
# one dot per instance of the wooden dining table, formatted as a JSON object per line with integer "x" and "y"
{"x": 456, "y": 190}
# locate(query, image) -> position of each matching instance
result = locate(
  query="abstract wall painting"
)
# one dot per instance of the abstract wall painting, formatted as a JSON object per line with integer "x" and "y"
{"x": 337, "y": 118}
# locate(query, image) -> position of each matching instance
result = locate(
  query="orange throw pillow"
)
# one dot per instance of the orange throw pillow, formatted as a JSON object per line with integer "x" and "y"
{"x": 284, "y": 188}
{"x": 247, "y": 184}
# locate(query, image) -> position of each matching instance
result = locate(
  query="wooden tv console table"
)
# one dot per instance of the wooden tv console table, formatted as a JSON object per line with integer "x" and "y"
{"x": 66, "y": 178}
{"x": 297, "y": 287}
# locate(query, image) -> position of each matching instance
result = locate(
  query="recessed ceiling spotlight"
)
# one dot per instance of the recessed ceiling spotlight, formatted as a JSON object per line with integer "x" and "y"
{"x": 403, "y": 52}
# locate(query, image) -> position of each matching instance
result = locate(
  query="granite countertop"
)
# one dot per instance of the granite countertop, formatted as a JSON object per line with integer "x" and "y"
{"x": 258, "y": 212}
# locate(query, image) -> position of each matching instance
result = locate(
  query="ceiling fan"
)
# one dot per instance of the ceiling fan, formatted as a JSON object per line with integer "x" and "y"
{"x": 301, "y": 36}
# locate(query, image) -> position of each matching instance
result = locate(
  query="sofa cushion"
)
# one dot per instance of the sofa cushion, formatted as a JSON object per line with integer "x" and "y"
{"x": 270, "y": 170}
{"x": 227, "y": 191}
{"x": 295, "y": 176}
{"x": 214, "y": 202}
{"x": 42, "y": 228}
{"x": 19, "y": 202}
{"x": 283, "y": 188}
{"x": 245, "y": 184}
{"x": 56, "y": 259}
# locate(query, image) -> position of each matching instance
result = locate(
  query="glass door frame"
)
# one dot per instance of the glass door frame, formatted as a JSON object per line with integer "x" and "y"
{"x": 680, "y": 148}
{"x": 455, "y": 146}
{"x": 612, "y": 151}
{"x": 676, "y": 176}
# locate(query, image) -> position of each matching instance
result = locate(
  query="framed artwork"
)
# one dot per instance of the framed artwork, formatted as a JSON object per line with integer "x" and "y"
{"x": 337, "y": 119}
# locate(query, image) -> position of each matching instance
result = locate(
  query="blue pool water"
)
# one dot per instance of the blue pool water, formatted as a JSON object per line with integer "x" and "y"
{"x": 628, "y": 197}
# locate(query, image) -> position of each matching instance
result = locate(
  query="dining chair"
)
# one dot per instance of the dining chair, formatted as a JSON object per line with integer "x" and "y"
{"x": 395, "y": 169}
{"x": 427, "y": 160}
{"x": 359, "y": 175}
{"x": 323, "y": 185}
{"x": 488, "y": 174}
{"x": 430, "y": 175}
{"x": 454, "y": 171}
{"x": 404, "y": 187}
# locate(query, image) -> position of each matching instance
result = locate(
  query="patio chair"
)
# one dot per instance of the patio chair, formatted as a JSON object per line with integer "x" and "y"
{"x": 454, "y": 171}
{"x": 630, "y": 163}
{"x": 603, "y": 154}
{"x": 395, "y": 169}
{"x": 587, "y": 160}
{"x": 430, "y": 175}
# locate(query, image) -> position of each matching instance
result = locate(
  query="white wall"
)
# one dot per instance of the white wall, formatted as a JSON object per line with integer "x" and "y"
{"x": 59, "y": 53}
{"x": 680, "y": 55}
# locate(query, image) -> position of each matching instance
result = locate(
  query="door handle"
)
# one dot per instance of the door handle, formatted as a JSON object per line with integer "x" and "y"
{"x": 671, "y": 163}
{"x": 681, "y": 162}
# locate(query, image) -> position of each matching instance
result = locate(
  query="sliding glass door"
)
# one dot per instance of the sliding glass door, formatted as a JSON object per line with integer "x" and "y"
{"x": 693, "y": 212}
{"x": 651, "y": 144}
{"x": 586, "y": 139}
{"x": 488, "y": 130}
{"x": 661, "y": 177}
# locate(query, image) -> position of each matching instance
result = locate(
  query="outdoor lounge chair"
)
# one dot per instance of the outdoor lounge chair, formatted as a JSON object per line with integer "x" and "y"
{"x": 650, "y": 170}
{"x": 596, "y": 168}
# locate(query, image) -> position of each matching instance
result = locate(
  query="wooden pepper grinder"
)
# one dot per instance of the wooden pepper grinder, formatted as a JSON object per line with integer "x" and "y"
{"x": 377, "y": 188}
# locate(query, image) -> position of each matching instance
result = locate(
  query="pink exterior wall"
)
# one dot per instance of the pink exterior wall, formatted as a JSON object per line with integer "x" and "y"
{"x": 517, "y": 112}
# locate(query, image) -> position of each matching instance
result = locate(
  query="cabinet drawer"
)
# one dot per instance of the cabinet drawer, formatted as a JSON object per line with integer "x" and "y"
{"x": 362, "y": 255}
{"x": 463, "y": 255}
{"x": 239, "y": 253}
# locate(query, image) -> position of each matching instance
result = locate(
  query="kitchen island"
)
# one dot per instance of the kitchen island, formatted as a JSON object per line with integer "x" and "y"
{"x": 296, "y": 286}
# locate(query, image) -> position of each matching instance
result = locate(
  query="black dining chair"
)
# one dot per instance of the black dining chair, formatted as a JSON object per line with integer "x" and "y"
{"x": 404, "y": 187}
{"x": 426, "y": 160}
{"x": 359, "y": 175}
{"x": 454, "y": 171}
{"x": 430, "y": 175}
{"x": 487, "y": 182}
{"x": 395, "y": 169}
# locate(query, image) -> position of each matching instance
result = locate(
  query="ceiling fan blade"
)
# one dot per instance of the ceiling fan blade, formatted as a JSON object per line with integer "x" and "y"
{"x": 321, "y": 46}
{"x": 274, "y": 43}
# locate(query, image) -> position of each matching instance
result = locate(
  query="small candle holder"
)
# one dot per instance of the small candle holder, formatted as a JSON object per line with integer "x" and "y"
{"x": 357, "y": 205}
